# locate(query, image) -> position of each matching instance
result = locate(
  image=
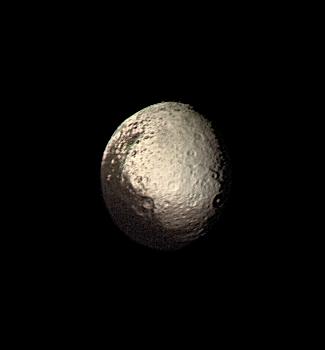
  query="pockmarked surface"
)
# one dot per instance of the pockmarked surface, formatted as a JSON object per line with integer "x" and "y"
{"x": 163, "y": 176}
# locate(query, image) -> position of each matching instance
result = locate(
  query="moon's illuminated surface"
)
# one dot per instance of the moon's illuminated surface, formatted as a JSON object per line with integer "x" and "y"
{"x": 163, "y": 176}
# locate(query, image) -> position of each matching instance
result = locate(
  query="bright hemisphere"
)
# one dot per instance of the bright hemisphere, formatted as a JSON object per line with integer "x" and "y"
{"x": 163, "y": 176}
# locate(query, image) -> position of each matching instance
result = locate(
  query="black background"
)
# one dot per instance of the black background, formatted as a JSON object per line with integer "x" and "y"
{"x": 93, "y": 95}
{"x": 86, "y": 76}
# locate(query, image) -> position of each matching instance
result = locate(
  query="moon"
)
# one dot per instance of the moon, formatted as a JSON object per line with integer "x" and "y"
{"x": 164, "y": 176}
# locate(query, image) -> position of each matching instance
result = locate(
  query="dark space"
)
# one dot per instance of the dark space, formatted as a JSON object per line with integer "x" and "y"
{"x": 96, "y": 96}
{"x": 90, "y": 80}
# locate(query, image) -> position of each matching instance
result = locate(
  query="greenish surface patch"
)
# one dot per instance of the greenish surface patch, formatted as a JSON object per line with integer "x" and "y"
{"x": 130, "y": 144}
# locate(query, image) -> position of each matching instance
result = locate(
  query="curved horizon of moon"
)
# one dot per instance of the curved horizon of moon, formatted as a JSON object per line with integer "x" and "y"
{"x": 163, "y": 176}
